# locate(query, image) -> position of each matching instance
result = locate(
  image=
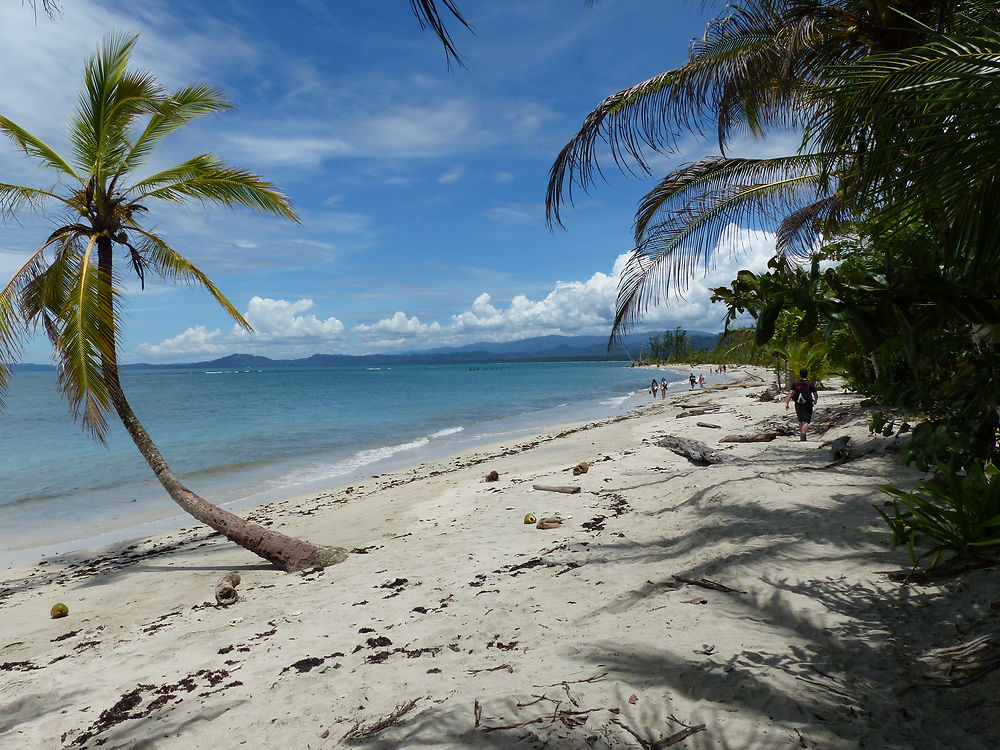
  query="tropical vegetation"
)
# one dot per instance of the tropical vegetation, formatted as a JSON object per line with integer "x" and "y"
{"x": 72, "y": 286}
{"x": 890, "y": 200}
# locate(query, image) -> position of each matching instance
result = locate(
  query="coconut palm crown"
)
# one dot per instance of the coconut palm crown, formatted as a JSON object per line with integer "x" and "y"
{"x": 71, "y": 286}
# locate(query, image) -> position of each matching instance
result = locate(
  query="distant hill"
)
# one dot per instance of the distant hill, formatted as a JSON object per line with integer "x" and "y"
{"x": 542, "y": 348}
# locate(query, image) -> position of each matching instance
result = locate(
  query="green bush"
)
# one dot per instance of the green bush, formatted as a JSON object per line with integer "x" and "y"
{"x": 960, "y": 514}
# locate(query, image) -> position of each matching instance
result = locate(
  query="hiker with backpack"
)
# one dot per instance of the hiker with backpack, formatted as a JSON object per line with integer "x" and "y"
{"x": 803, "y": 392}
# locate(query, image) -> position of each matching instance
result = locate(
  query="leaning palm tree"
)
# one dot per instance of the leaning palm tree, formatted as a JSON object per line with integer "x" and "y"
{"x": 75, "y": 295}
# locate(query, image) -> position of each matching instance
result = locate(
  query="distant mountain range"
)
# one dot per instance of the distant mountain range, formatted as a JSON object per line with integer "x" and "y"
{"x": 542, "y": 348}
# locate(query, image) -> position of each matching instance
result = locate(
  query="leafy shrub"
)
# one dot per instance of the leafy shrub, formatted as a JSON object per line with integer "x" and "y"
{"x": 960, "y": 514}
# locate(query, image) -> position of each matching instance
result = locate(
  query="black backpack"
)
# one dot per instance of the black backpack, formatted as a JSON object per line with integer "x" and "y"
{"x": 803, "y": 392}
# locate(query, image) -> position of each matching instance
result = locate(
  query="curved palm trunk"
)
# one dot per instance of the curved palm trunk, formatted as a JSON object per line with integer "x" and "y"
{"x": 283, "y": 551}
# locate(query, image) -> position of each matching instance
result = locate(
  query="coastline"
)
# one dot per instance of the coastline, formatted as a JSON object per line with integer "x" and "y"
{"x": 451, "y": 601}
{"x": 96, "y": 516}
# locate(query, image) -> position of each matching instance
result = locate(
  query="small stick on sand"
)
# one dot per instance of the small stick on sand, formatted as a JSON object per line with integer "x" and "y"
{"x": 707, "y": 584}
{"x": 568, "y": 489}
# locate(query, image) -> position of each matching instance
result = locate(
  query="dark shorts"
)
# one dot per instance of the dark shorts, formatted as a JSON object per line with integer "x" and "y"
{"x": 804, "y": 412}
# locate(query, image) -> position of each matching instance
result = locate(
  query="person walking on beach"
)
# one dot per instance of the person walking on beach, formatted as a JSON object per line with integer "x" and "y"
{"x": 663, "y": 388}
{"x": 803, "y": 392}
{"x": 652, "y": 388}
{"x": 692, "y": 380}
{"x": 701, "y": 380}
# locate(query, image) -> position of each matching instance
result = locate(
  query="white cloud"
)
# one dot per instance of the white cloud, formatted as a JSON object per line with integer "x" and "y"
{"x": 278, "y": 320}
{"x": 570, "y": 308}
{"x": 287, "y": 151}
{"x": 505, "y": 177}
{"x": 197, "y": 340}
{"x": 516, "y": 213}
{"x": 452, "y": 175}
{"x": 398, "y": 324}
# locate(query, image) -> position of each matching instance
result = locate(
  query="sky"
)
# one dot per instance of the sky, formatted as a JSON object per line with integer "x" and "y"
{"x": 420, "y": 188}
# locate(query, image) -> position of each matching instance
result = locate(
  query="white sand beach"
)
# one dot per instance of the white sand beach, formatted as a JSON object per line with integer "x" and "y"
{"x": 731, "y": 605}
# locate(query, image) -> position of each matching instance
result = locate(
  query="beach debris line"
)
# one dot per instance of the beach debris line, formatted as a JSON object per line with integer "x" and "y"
{"x": 694, "y": 451}
{"x": 225, "y": 589}
{"x": 566, "y": 488}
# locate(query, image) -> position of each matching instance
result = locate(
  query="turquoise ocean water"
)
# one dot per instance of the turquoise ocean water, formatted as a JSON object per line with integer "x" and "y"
{"x": 244, "y": 437}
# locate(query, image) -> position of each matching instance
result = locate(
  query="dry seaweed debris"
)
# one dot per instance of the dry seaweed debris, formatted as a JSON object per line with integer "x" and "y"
{"x": 360, "y": 732}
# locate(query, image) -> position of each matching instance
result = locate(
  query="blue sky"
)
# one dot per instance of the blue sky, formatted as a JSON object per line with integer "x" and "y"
{"x": 420, "y": 189}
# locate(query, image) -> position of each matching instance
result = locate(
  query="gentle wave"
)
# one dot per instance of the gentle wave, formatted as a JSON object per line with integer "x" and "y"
{"x": 353, "y": 463}
{"x": 447, "y": 431}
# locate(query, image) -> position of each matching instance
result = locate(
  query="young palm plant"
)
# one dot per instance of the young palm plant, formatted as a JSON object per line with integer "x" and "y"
{"x": 76, "y": 296}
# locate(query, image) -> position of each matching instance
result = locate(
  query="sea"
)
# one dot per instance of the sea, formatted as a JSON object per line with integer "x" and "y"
{"x": 245, "y": 437}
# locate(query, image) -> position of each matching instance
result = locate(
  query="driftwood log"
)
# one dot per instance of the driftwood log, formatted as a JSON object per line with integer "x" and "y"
{"x": 693, "y": 450}
{"x": 760, "y": 437}
{"x": 568, "y": 489}
{"x": 225, "y": 589}
{"x": 708, "y": 424}
{"x": 697, "y": 412}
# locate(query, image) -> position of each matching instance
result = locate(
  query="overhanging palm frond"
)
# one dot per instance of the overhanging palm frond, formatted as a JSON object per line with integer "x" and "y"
{"x": 36, "y": 147}
{"x": 206, "y": 178}
{"x": 738, "y": 76}
{"x": 802, "y": 230}
{"x": 171, "y": 265}
{"x": 428, "y": 16}
{"x": 691, "y": 231}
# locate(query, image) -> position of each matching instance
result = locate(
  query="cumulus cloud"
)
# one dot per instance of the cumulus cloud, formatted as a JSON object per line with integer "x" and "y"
{"x": 279, "y": 320}
{"x": 197, "y": 340}
{"x": 398, "y": 324}
{"x": 569, "y": 308}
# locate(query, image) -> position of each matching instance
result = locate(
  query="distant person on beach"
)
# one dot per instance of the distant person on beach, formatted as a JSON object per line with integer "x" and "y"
{"x": 663, "y": 388}
{"x": 652, "y": 388}
{"x": 692, "y": 380}
{"x": 701, "y": 380}
{"x": 803, "y": 392}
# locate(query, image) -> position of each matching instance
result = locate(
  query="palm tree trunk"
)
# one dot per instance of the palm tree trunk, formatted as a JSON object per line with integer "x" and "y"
{"x": 283, "y": 551}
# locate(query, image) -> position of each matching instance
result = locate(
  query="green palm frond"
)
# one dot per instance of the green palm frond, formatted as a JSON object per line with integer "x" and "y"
{"x": 682, "y": 239}
{"x": 206, "y": 178}
{"x": 36, "y": 147}
{"x": 86, "y": 337}
{"x": 15, "y": 197}
{"x": 428, "y": 16}
{"x": 748, "y": 73}
{"x": 174, "y": 112}
{"x": 107, "y": 104}
{"x": 14, "y": 325}
{"x": 802, "y": 229}
{"x": 172, "y": 266}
